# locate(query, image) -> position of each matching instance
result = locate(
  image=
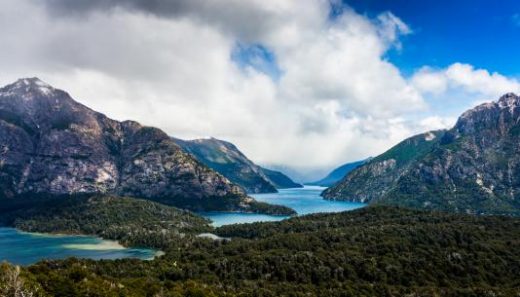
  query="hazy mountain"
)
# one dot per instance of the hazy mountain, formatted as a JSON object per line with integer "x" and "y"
{"x": 301, "y": 175}
{"x": 51, "y": 145}
{"x": 338, "y": 174}
{"x": 280, "y": 180}
{"x": 225, "y": 158}
{"x": 473, "y": 167}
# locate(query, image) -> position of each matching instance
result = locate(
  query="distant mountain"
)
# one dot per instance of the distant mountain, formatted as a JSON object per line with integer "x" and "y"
{"x": 473, "y": 167}
{"x": 338, "y": 174}
{"x": 280, "y": 180}
{"x": 225, "y": 158}
{"x": 300, "y": 175}
{"x": 51, "y": 145}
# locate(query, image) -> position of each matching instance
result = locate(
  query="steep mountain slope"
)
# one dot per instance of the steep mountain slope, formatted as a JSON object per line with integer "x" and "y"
{"x": 338, "y": 174}
{"x": 225, "y": 158}
{"x": 373, "y": 179}
{"x": 473, "y": 167}
{"x": 51, "y": 145}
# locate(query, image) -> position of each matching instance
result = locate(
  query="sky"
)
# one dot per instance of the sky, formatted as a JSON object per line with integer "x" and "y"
{"x": 305, "y": 85}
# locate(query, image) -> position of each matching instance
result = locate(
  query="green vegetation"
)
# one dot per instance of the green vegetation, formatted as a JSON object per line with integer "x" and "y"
{"x": 372, "y": 180}
{"x": 230, "y": 202}
{"x": 270, "y": 209}
{"x": 412, "y": 148}
{"x": 133, "y": 222}
{"x": 226, "y": 159}
{"x": 376, "y": 251}
{"x": 471, "y": 168}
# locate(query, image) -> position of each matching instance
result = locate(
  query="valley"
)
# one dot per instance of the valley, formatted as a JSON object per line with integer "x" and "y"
{"x": 144, "y": 214}
{"x": 306, "y": 200}
{"x": 260, "y": 148}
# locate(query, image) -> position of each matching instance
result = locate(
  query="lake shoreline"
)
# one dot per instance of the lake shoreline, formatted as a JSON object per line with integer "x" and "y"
{"x": 306, "y": 200}
{"x": 20, "y": 247}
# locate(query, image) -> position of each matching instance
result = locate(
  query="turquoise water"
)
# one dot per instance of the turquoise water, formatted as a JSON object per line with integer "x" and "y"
{"x": 26, "y": 248}
{"x": 303, "y": 200}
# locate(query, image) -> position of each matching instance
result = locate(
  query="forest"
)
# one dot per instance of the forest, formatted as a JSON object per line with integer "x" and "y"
{"x": 375, "y": 251}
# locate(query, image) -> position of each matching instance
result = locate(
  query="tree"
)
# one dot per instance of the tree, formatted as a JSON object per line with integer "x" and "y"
{"x": 12, "y": 284}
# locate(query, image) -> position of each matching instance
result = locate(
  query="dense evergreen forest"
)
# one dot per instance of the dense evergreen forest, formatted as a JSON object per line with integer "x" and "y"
{"x": 376, "y": 251}
{"x": 132, "y": 222}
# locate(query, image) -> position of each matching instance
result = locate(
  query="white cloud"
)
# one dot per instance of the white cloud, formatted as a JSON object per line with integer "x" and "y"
{"x": 430, "y": 81}
{"x": 464, "y": 76}
{"x": 169, "y": 65}
{"x": 436, "y": 123}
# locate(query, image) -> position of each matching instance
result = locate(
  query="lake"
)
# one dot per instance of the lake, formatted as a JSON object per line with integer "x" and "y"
{"x": 304, "y": 200}
{"x": 24, "y": 248}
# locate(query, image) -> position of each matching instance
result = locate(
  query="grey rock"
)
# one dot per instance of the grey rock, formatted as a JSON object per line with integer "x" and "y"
{"x": 51, "y": 145}
{"x": 472, "y": 168}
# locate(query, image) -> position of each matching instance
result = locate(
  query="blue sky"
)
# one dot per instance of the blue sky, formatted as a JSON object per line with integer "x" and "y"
{"x": 480, "y": 33}
{"x": 483, "y": 33}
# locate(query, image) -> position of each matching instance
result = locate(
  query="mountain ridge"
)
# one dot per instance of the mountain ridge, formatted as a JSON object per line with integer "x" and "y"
{"x": 472, "y": 167}
{"x": 52, "y": 145}
{"x": 225, "y": 158}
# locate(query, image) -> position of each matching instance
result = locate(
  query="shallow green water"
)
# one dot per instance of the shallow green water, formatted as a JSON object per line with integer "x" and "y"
{"x": 26, "y": 248}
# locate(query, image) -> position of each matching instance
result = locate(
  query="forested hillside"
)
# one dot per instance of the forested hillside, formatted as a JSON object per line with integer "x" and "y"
{"x": 376, "y": 251}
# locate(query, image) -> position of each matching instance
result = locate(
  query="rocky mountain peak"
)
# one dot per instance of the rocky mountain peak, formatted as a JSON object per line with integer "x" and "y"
{"x": 510, "y": 100}
{"x": 28, "y": 88}
{"x": 473, "y": 167}
{"x": 53, "y": 146}
{"x": 499, "y": 115}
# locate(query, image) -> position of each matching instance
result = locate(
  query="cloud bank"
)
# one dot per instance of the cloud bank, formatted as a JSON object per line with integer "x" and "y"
{"x": 308, "y": 88}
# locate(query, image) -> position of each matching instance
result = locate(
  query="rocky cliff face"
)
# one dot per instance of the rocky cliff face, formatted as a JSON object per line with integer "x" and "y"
{"x": 51, "y": 145}
{"x": 225, "y": 158}
{"x": 473, "y": 167}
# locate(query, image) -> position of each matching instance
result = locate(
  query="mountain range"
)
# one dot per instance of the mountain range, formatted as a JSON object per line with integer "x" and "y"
{"x": 225, "y": 158}
{"x": 53, "y": 146}
{"x": 473, "y": 167}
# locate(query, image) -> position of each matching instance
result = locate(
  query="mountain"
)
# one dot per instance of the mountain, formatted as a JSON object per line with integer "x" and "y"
{"x": 51, "y": 145}
{"x": 473, "y": 167}
{"x": 225, "y": 158}
{"x": 280, "y": 180}
{"x": 338, "y": 174}
{"x": 374, "y": 178}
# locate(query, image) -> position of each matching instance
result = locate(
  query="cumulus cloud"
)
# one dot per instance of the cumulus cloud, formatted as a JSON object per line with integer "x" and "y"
{"x": 436, "y": 123}
{"x": 466, "y": 77}
{"x": 173, "y": 64}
